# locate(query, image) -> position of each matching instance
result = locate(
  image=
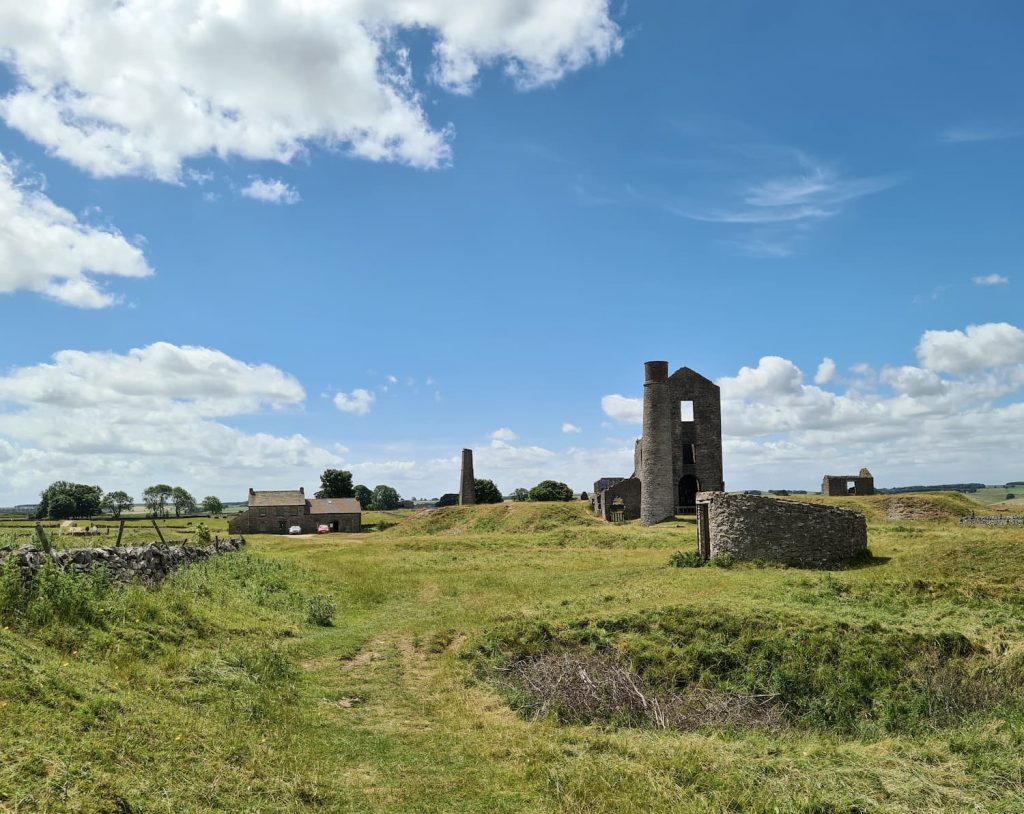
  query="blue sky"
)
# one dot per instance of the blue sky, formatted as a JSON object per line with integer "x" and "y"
{"x": 487, "y": 219}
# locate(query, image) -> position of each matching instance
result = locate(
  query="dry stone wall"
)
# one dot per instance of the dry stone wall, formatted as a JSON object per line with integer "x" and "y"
{"x": 147, "y": 563}
{"x": 762, "y": 528}
{"x": 1006, "y": 520}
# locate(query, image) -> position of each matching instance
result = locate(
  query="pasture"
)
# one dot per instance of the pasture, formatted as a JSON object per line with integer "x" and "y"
{"x": 892, "y": 686}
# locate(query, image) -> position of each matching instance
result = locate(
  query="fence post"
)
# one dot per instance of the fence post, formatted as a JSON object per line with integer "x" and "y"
{"x": 120, "y": 531}
{"x": 159, "y": 533}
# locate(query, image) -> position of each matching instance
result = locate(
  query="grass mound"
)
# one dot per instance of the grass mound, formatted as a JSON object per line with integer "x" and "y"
{"x": 500, "y": 518}
{"x": 862, "y": 680}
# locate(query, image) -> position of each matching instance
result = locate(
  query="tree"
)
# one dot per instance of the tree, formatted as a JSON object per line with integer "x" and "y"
{"x": 551, "y": 490}
{"x": 447, "y": 499}
{"x": 183, "y": 501}
{"x": 487, "y": 492}
{"x": 363, "y": 495}
{"x": 335, "y": 483}
{"x": 85, "y": 500}
{"x": 156, "y": 497}
{"x": 61, "y": 507}
{"x": 117, "y": 502}
{"x": 521, "y": 495}
{"x": 212, "y": 505}
{"x": 385, "y": 497}
{"x": 584, "y": 496}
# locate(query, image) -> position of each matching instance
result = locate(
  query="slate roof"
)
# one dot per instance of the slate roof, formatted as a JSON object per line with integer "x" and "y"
{"x": 287, "y": 497}
{"x": 334, "y": 505}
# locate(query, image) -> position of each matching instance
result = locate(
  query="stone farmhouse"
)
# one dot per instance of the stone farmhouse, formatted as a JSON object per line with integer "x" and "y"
{"x": 274, "y": 512}
{"x": 837, "y": 485}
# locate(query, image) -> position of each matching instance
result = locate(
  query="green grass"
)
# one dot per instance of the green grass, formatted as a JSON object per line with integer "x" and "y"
{"x": 996, "y": 497}
{"x": 218, "y": 691}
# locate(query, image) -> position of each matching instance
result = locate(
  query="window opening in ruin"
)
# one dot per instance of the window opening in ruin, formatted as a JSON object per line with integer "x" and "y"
{"x": 686, "y": 411}
{"x": 688, "y": 455}
{"x": 688, "y": 488}
{"x": 851, "y": 487}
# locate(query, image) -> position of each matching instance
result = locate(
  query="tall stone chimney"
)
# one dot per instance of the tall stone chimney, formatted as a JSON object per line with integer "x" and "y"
{"x": 657, "y": 492}
{"x": 467, "y": 486}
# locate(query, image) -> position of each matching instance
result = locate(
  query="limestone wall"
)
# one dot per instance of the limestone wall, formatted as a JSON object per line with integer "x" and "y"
{"x": 147, "y": 563}
{"x": 762, "y": 528}
{"x": 1005, "y": 520}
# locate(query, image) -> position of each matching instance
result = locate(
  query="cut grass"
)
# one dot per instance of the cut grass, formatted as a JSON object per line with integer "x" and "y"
{"x": 214, "y": 692}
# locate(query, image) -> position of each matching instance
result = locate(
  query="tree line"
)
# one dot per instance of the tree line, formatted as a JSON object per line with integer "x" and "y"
{"x": 63, "y": 500}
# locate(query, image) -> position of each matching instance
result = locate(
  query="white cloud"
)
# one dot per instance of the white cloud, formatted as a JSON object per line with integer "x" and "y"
{"x": 796, "y": 193}
{"x": 139, "y": 87}
{"x": 503, "y": 434}
{"x": 979, "y": 347}
{"x": 271, "y": 190}
{"x": 358, "y": 402}
{"x": 990, "y": 131}
{"x": 622, "y": 409}
{"x": 393, "y": 379}
{"x": 826, "y": 371}
{"x": 46, "y": 249}
{"x": 570, "y": 429}
{"x": 152, "y": 414}
{"x": 991, "y": 279}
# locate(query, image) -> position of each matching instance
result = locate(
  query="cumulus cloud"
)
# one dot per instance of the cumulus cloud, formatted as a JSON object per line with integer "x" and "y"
{"x": 991, "y": 279}
{"x": 271, "y": 190}
{"x": 46, "y": 249}
{"x": 623, "y": 409}
{"x": 826, "y": 371}
{"x": 571, "y": 429}
{"x": 979, "y": 347}
{"x": 358, "y": 402}
{"x": 138, "y": 88}
{"x": 503, "y": 434}
{"x": 153, "y": 413}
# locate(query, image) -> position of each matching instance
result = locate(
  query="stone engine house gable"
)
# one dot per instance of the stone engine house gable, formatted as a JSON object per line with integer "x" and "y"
{"x": 842, "y": 485}
{"x": 274, "y": 512}
{"x": 763, "y": 528}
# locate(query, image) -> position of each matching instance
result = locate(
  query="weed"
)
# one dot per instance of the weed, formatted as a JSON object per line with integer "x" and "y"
{"x": 320, "y": 611}
{"x": 686, "y": 559}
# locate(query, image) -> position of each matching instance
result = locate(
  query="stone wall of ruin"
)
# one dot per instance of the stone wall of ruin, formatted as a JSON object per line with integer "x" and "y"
{"x": 762, "y": 528}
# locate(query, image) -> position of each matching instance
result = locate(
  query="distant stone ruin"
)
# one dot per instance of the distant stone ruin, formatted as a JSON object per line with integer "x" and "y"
{"x": 784, "y": 531}
{"x": 680, "y": 453}
{"x": 841, "y": 485}
{"x": 146, "y": 563}
{"x": 467, "y": 485}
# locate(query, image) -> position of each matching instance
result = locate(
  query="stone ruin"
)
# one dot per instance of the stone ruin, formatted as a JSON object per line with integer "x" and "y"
{"x": 124, "y": 564}
{"x": 841, "y": 485}
{"x": 678, "y": 470}
{"x": 806, "y": 535}
{"x": 679, "y": 455}
{"x": 467, "y": 483}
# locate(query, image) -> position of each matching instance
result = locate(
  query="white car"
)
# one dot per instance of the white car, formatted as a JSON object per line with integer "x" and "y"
{"x": 295, "y": 530}
{"x": 323, "y": 529}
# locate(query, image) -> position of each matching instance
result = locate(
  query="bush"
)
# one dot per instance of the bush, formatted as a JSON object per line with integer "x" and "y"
{"x": 487, "y": 492}
{"x": 320, "y": 611}
{"x": 551, "y": 490}
{"x": 202, "y": 535}
{"x": 722, "y": 561}
{"x": 448, "y": 499}
{"x": 686, "y": 559}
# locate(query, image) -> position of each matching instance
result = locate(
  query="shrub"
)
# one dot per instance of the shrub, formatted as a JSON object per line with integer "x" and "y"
{"x": 487, "y": 492}
{"x": 723, "y": 561}
{"x": 551, "y": 490}
{"x": 686, "y": 559}
{"x": 320, "y": 611}
{"x": 202, "y": 535}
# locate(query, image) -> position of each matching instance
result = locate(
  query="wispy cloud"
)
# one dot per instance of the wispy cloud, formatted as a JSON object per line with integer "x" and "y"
{"x": 989, "y": 131}
{"x": 991, "y": 279}
{"x": 795, "y": 193}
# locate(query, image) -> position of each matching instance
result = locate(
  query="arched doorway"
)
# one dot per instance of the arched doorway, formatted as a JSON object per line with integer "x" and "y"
{"x": 688, "y": 488}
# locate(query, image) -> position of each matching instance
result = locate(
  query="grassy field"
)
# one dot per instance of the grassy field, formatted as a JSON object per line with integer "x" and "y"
{"x": 996, "y": 496}
{"x": 891, "y": 687}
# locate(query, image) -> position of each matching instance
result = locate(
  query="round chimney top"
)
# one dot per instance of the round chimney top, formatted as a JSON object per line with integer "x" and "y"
{"x": 655, "y": 371}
